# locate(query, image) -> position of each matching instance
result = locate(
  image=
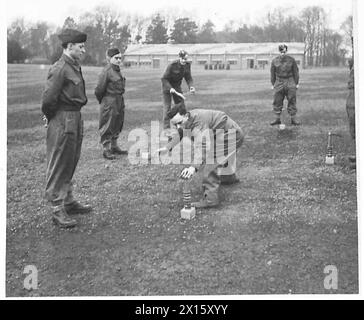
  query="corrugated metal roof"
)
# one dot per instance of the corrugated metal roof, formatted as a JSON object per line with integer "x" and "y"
{"x": 214, "y": 48}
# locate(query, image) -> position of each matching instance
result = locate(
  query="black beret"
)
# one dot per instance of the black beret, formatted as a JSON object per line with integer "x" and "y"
{"x": 113, "y": 51}
{"x": 72, "y": 36}
{"x": 179, "y": 107}
{"x": 281, "y": 47}
{"x": 182, "y": 53}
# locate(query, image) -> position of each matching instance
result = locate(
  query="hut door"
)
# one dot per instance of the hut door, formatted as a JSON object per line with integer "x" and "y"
{"x": 250, "y": 63}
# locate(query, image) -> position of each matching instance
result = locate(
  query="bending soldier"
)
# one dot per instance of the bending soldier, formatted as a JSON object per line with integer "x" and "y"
{"x": 217, "y": 156}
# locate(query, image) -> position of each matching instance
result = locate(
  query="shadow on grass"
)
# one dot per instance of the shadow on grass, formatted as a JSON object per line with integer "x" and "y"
{"x": 288, "y": 133}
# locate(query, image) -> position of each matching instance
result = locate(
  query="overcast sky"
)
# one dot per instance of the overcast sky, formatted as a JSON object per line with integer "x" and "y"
{"x": 219, "y": 11}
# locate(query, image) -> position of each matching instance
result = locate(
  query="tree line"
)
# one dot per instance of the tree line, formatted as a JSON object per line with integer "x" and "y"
{"x": 105, "y": 27}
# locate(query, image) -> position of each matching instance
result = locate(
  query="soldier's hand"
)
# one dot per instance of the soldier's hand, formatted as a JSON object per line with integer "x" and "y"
{"x": 173, "y": 90}
{"x": 297, "y": 86}
{"x": 192, "y": 90}
{"x": 272, "y": 87}
{"x": 45, "y": 119}
{"x": 188, "y": 172}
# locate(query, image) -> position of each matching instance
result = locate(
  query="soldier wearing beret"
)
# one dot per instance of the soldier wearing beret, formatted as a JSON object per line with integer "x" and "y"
{"x": 350, "y": 108}
{"x": 284, "y": 79}
{"x": 216, "y": 156}
{"x": 62, "y": 100}
{"x": 109, "y": 92}
{"x": 172, "y": 81}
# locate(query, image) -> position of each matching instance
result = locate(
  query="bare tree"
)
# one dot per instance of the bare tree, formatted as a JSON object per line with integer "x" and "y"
{"x": 38, "y": 40}
{"x": 347, "y": 28}
{"x": 69, "y": 23}
{"x": 313, "y": 22}
{"x": 207, "y": 33}
{"x": 104, "y": 30}
{"x": 138, "y": 26}
{"x": 157, "y": 31}
{"x": 19, "y": 32}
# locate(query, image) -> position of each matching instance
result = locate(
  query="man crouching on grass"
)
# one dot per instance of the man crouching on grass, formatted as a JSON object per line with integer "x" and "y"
{"x": 217, "y": 156}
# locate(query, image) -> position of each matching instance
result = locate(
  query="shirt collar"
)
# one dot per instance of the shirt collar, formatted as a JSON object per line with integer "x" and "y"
{"x": 71, "y": 61}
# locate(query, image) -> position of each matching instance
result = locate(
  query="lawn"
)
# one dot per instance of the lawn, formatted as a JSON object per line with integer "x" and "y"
{"x": 274, "y": 233}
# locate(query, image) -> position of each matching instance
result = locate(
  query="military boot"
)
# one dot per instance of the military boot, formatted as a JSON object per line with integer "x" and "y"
{"x": 115, "y": 148}
{"x": 229, "y": 179}
{"x": 77, "y": 208}
{"x": 205, "y": 202}
{"x": 352, "y": 165}
{"x": 107, "y": 152}
{"x": 352, "y": 158}
{"x": 294, "y": 121}
{"x": 277, "y": 121}
{"x": 62, "y": 219}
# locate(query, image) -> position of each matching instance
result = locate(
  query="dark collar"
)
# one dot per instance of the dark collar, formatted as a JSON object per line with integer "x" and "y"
{"x": 115, "y": 67}
{"x": 71, "y": 61}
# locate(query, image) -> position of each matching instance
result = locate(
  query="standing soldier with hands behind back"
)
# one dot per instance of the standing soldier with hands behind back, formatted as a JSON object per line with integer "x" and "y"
{"x": 62, "y": 101}
{"x": 171, "y": 83}
{"x": 284, "y": 79}
{"x": 350, "y": 108}
{"x": 109, "y": 92}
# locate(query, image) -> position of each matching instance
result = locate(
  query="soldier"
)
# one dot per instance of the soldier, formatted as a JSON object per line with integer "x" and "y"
{"x": 109, "y": 92}
{"x": 350, "y": 108}
{"x": 284, "y": 79}
{"x": 171, "y": 83}
{"x": 223, "y": 142}
{"x": 62, "y": 100}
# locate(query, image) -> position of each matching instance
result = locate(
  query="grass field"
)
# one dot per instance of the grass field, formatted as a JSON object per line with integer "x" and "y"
{"x": 274, "y": 233}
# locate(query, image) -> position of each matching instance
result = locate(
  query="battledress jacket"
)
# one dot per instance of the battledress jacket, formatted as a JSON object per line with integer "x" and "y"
{"x": 65, "y": 88}
{"x": 284, "y": 67}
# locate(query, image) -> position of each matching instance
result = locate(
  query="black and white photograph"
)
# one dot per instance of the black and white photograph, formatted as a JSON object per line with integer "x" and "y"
{"x": 158, "y": 149}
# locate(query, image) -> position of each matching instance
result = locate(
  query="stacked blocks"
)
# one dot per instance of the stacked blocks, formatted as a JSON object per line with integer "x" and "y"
{"x": 330, "y": 159}
{"x": 188, "y": 212}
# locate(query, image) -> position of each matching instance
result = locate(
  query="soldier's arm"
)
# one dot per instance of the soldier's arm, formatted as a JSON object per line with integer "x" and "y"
{"x": 272, "y": 74}
{"x": 201, "y": 146}
{"x": 123, "y": 83}
{"x": 52, "y": 91}
{"x": 165, "y": 79}
{"x": 176, "y": 138}
{"x": 188, "y": 76}
{"x": 296, "y": 75}
{"x": 101, "y": 86}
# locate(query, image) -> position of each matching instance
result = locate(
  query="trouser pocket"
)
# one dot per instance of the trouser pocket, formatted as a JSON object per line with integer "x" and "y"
{"x": 70, "y": 125}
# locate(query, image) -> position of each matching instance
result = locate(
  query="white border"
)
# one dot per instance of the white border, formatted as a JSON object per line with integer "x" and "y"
{"x": 3, "y": 143}
{"x": 358, "y": 10}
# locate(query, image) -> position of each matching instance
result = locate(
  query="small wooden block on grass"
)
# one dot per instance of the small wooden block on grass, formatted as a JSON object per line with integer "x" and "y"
{"x": 188, "y": 213}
